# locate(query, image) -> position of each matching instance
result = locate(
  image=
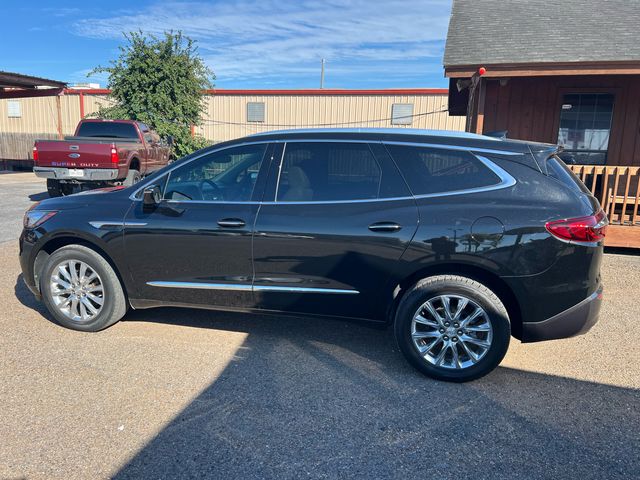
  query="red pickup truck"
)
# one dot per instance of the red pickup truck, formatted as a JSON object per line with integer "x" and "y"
{"x": 101, "y": 153}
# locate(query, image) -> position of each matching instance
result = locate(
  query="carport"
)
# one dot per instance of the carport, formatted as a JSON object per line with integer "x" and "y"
{"x": 17, "y": 85}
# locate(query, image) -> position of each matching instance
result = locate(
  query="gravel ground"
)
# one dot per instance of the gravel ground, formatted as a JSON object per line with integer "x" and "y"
{"x": 186, "y": 393}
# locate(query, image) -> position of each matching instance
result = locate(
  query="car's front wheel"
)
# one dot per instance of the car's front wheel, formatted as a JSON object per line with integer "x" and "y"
{"x": 81, "y": 290}
{"x": 452, "y": 328}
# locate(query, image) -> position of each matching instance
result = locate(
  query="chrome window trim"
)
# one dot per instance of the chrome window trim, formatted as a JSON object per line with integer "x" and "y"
{"x": 506, "y": 180}
{"x": 255, "y": 142}
{"x": 249, "y": 288}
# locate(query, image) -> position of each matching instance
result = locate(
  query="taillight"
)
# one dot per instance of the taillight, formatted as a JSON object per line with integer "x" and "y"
{"x": 114, "y": 155}
{"x": 582, "y": 229}
{"x": 35, "y": 153}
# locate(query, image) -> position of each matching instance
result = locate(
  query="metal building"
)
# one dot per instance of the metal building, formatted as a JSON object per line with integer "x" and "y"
{"x": 231, "y": 114}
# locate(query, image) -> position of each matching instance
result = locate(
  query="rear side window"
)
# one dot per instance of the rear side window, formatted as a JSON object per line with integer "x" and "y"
{"x": 558, "y": 169}
{"x": 431, "y": 170}
{"x": 107, "y": 130}
{"x": 324, "y": 171}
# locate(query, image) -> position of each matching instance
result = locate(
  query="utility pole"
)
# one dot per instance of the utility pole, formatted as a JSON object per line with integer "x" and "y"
{"x": 322, "y": 75}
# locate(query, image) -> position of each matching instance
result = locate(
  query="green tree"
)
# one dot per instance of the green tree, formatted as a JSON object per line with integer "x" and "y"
{"x": 159, "y": 81}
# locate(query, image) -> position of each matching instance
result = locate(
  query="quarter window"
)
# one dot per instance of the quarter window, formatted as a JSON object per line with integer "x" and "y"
{"x": 429, "y": 170}
{"x": 324, "y": 171}
{"x": 225, "y": 175}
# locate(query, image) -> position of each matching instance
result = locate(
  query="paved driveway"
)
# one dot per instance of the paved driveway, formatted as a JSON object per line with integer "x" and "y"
{"x": 185, "y": 393}
{"x": 18, "y": 191}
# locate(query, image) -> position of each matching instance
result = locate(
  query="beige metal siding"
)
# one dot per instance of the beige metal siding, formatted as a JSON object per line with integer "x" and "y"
{"x": 226, "y": 115}
{"x": 227, "y": 118}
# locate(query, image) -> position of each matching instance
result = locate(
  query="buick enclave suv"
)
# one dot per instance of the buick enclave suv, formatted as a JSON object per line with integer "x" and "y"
{"x": 458, "y": 241}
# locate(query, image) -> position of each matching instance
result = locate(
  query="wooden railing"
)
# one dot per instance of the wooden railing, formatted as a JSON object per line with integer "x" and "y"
{"x": 617, "y": 188}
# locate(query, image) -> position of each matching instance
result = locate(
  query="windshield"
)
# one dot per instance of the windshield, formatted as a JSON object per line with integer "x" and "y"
{"x": 108, "y": 130}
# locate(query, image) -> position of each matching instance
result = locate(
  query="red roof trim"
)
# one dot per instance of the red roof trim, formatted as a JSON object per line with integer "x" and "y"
{"x": 221, "y": 91}
{"x": 325, "y": 91}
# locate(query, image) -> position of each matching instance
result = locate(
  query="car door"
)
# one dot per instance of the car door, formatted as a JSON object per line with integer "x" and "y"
{"x": 194, "y": 247}
{"x": 335, "y": 220}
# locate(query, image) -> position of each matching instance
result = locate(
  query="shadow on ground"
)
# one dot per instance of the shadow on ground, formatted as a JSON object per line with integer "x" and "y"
{"x": 36, "y": 197}
{"x": 307, "y": 397}
{"x": 331, "y": 399}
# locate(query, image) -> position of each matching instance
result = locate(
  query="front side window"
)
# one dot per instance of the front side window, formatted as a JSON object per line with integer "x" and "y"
{"x": 585, "y": 125}
{"x": 325, "y": 171}
{"x": 432, "y": 170}
{"x": 226, "y": 175}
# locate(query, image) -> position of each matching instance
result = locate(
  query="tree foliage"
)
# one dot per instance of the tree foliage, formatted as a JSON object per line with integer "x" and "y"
{"x": 159, "y": 81}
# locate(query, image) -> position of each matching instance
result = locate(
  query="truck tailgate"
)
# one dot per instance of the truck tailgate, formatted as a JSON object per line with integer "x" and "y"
{"x": 65, "y": 153}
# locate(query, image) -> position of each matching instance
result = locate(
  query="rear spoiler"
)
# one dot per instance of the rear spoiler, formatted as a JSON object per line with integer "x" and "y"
{"x": 541, "y": 152}
{"x": 501, "y": 134}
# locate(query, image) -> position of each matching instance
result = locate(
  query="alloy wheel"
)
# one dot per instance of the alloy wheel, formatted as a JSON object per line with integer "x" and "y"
{"x": 451, "y": 331}
{"x": 77, "y": 290}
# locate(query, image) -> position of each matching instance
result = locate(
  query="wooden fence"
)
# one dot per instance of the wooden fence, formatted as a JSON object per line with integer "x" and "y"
{"x": 618, "y": 190}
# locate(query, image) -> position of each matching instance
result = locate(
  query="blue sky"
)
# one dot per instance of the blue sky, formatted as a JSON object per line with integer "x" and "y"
{"x": 247, "y": 43}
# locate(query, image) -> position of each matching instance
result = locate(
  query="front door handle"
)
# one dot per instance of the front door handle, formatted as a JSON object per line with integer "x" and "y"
{"x": 385, "y": 227}
{"x": 231, "y": 223}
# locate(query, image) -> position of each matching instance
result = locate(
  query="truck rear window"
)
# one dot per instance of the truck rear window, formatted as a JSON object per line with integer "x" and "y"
{"x": 107, "y": 130}
{"x": 559, "y": 170}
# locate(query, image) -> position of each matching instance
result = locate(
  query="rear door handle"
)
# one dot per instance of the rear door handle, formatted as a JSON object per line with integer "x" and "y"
{"x": 231, "y": 223}
{"x": 385, "y": 227}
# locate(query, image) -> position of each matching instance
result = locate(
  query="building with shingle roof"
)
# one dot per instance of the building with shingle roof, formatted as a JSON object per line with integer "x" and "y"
{"x": 563, "y": 72}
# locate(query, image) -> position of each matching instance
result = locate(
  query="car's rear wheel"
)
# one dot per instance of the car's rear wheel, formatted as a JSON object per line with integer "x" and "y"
{"x": 452, "y": 328}
{"x": 81, "y": 290}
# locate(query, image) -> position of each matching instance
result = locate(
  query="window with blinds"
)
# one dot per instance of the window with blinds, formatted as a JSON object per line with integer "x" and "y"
{"x": 401, "y": 113}
{"x": 255, "y": 112}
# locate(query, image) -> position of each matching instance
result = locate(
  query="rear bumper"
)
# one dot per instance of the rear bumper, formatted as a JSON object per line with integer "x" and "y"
{"x": 90, "y": 174}
{"x": 573, "y": 321}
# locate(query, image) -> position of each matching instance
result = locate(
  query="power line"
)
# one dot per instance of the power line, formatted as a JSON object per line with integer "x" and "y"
{"x": 336, "y": 124}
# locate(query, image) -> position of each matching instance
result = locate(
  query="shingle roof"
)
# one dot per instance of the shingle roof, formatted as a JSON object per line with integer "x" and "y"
{"x": 539, "y": 31}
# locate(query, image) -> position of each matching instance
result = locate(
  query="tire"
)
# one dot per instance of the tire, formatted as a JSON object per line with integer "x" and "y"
{"x": 133, "y": 177}
{"x": 469, "y": 354}
{"x": 54, "y": 188}
{"x": 106, "y": 287}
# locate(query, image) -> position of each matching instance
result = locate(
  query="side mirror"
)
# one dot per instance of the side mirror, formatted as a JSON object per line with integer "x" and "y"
{"x": 151, "y": 196}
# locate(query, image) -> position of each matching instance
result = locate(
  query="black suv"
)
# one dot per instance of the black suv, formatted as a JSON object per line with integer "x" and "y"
{"x": 457, "y": 240}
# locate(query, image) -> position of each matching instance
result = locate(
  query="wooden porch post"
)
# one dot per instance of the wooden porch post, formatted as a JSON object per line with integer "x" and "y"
{"x": 480, "y": 112}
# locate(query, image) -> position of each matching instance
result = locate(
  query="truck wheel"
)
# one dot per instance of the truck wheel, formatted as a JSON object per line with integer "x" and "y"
{"x": 81, "y": 290}
{"x": 452, "y": 328}
{"x": 54, "y": 188}
{"x": 133, "y": 177}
